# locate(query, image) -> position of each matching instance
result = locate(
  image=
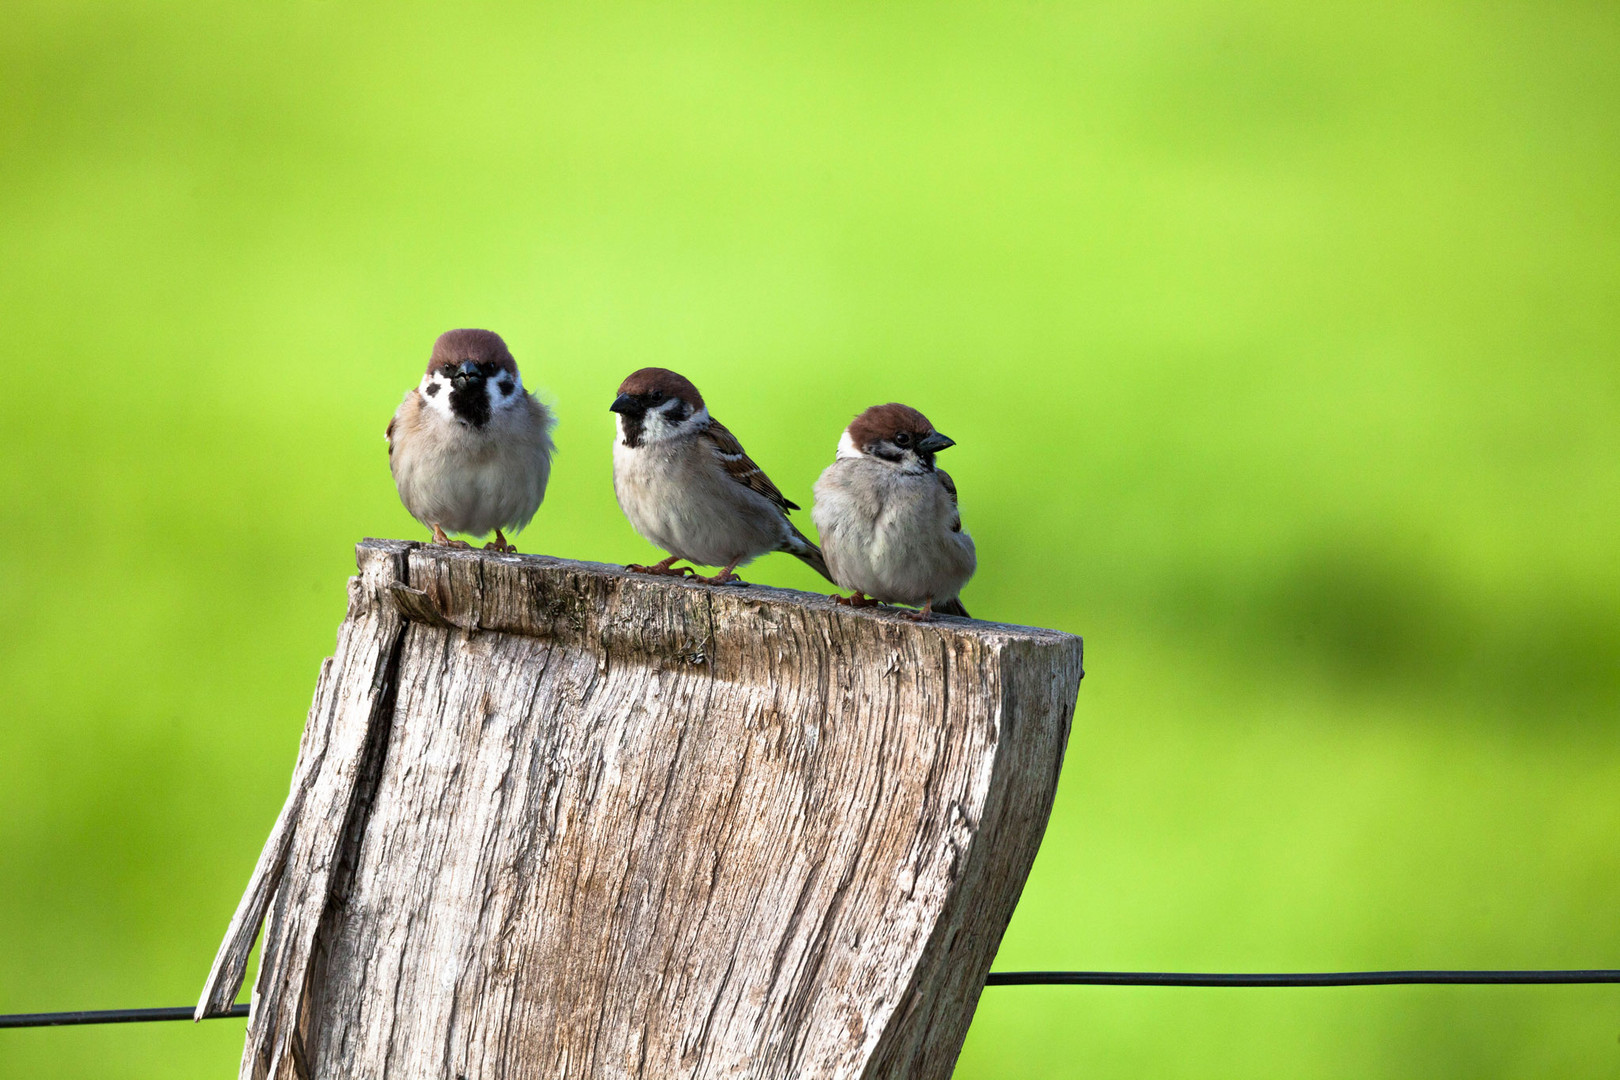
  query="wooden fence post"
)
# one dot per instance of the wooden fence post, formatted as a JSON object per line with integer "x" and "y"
{"x": 554, "y": 819}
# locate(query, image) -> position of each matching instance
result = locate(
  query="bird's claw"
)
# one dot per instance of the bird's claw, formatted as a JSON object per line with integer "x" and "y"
{"x": 665, "y": 571}
{"x": 442, "y": 540}
{"x": 923, "y": 614}
{"x": 859, "y": 600}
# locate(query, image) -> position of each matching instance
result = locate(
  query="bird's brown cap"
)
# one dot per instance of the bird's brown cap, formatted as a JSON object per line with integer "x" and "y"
{"x": 882, "y": 422}
{"x": 663, "y": 383}
{"x": 456, "y": 347}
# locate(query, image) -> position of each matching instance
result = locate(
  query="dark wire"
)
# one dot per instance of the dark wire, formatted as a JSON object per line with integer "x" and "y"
{"x": 1008, "y": 978}
{"x": 110, "y": 1016}
{"x": 1326, "y": 978}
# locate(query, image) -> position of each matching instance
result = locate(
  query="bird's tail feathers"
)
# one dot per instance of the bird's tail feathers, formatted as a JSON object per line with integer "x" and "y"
{"x": 800, "y": 545}
{"x": 953, "y": 606}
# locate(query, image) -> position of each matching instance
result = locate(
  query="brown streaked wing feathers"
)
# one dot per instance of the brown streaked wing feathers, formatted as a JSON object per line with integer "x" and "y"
{"x": 412, "y": 398}
{"x": 950, "y": 489}
{"x": 741, "y": 467}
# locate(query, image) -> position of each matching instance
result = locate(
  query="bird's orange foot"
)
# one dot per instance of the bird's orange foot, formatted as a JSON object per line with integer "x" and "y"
{"x": 924, "y": 615}
{"x": 501, "y": 544}
{"x": 724, "y": 577}
{"x": 444, "y": 541}
{"x": 666, "y": 568}
{"x": 858, "y": 600}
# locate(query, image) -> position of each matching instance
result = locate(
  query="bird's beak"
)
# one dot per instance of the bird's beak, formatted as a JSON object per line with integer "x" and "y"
{"x": 625, "y": 404}
{"x": 467, "y": 370}
{"x": 934, "y": 442}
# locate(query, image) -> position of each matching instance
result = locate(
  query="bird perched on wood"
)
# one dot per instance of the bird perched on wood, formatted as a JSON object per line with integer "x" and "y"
{"x": 888, "y": 519}
{"x": 470, "y": 449}
{"x": 688, "y": 487}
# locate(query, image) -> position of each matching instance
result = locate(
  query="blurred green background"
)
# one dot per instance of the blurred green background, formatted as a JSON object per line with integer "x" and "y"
{"x": 1279, "y": 343}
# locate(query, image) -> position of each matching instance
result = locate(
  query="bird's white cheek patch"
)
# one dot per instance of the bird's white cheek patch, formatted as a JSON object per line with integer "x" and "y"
{"x": 847, "y": 447}
{"x": 657, "y": 425}
{"x": 911, "y": 463}
{"x": 653, "y": 428}
{"x": 436, "y": 394}
{"x": 504, "y": 392}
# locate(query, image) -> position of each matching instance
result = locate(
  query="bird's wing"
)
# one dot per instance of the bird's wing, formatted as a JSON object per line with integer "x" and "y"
{"x": 740, "y": 467}
{"x": 949, "y": 485}
{"x": 412, "y": 402}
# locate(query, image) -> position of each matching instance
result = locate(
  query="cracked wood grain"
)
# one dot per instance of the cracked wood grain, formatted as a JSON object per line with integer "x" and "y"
{"x": 553, "y": 819}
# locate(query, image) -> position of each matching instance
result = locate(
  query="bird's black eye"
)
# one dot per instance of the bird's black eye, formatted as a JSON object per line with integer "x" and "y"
{"x": 488, "y": 368}
{"x": 903, "y": 439}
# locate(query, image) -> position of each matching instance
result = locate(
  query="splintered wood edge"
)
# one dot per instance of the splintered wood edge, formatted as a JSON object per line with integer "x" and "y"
{"x": 415, "y": 604}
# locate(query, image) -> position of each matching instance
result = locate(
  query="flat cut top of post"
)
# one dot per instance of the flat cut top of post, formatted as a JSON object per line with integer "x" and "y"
{"x": 540, "y": 596}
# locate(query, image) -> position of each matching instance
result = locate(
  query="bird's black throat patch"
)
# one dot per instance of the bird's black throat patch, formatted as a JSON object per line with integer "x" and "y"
{"x": 632, "y": 424}
{"x": 470, "y": 402}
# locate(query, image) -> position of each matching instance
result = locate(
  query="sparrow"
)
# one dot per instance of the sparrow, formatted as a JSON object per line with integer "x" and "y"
{"x": 688, "y": 487}
{"x": 888, "y": 519}
{"x": 469, "y": 448}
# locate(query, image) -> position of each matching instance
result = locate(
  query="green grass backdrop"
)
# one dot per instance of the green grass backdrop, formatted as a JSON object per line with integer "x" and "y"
{"x": 1278, "y": 341}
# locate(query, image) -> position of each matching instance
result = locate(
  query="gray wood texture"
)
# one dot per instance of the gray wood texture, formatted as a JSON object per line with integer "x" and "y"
{"x": 555, "y": 819}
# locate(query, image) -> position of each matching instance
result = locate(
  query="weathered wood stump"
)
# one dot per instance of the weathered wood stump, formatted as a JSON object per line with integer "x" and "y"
{"x": 554, "y": 819}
